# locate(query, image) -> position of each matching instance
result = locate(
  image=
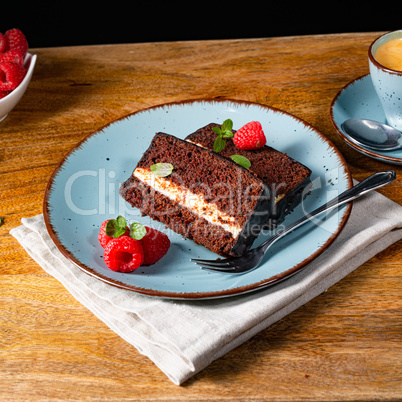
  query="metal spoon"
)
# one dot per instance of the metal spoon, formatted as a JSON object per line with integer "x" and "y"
{"x": 372, "y": 134}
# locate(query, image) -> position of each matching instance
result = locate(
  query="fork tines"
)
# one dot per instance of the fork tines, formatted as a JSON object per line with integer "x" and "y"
{"x": 214, "y": 265}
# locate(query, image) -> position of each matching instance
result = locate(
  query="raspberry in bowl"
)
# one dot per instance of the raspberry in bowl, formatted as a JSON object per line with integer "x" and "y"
{"x": 16, "y": 69}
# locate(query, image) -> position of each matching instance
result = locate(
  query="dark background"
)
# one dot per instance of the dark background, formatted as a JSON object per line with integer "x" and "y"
{"x": 71, "y": 23}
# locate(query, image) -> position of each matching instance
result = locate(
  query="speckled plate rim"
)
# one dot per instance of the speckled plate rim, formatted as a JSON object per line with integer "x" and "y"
{"x": 53, "y": 233}
{"x": 381, "y": 156}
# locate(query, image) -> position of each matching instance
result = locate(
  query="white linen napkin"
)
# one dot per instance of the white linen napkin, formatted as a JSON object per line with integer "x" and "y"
{"x": 205, "y": 330}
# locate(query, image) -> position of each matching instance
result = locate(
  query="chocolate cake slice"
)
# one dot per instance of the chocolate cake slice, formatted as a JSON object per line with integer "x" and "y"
{"x": 206, "y": 197}
{"x": 288, "y": 180}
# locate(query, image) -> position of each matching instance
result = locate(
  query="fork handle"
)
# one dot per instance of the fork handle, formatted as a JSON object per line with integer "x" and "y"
{"x": 372, "y": 182}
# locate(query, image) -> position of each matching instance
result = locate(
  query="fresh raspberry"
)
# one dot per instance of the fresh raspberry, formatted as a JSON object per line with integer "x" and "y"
{"x": 250, "y": 136}
{"x": 3, "y": 94}
{"x": 3, "y": 43}
{"x": 16, "y": 40}
{"x": 12, "y": 55}
{"x": 11, "y": 75}
{"x": 123, "y": 254}
{"x": 155, "y": 245}
{"x": 103, "y": 238}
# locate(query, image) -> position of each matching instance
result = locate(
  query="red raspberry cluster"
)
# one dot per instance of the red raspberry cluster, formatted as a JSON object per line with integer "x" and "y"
{"x": 13, "y": 48}
{"x": 125, "y": 253}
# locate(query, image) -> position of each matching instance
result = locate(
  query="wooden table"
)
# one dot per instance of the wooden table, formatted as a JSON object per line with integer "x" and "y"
{"x": 343, "y": 345}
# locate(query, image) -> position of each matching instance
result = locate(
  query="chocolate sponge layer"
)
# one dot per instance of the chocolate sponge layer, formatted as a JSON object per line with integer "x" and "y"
{"x": 288, "y": 180}
{"x": 235, "y": 192}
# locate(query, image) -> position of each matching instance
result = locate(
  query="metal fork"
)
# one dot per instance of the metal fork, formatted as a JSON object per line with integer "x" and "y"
{"x": 252, "y": 258}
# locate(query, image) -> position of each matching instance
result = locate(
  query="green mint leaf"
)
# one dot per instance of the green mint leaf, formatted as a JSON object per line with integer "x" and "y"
{"x": 217, "y": 130}
{"x": 225, "y": 131}
{"x": 162, "y": 169}
{"x": 227, "y": 134}
{"x": 137, "y": 231}
{"x": 241, "y": 160}
{"x": 121, "y": 221}
{"x": 1, "y": 221}
{"x": 219, "y": 144}
{"x": 119, "y": 232}
{"x": 227, "y": 125}
{"x": 110, "y": 228}
{"x": 114, "y": 228}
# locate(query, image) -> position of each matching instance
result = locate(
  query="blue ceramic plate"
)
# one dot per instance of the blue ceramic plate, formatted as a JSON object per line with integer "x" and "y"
{"x": 84, "y": 191}
{"x": 358, "y": 99}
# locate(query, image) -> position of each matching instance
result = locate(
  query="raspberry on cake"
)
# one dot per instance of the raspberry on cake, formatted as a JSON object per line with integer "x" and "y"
{"x": 205, "y": 197}
{"x": 288, "y": 179}
{"x": 250, "y": 136}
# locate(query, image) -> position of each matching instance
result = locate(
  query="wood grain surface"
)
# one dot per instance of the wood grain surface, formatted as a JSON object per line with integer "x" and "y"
{"x": 343, "y": 345}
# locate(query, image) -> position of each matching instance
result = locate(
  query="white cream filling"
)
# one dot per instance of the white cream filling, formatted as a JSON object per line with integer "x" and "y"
{"x": 194, "y": 202}
{"x": 196, "y": 143}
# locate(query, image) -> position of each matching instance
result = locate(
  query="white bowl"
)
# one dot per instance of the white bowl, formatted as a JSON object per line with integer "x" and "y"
{"x": 8, "y": 102}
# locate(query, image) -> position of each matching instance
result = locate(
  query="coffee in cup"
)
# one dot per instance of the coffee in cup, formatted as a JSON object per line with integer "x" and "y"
{"x": 389, "y": 54}
{"x": 385, "y": 62}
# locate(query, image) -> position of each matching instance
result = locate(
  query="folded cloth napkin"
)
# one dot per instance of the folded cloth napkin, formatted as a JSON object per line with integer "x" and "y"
{"x": 205, "y": 330}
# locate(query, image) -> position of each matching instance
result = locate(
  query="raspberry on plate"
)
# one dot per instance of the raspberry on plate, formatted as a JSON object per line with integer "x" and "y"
{"x": 123, "y": 254}
{"x": 103, "y": 238}
{"x": 128, "y": 248}
{"x": 155, "y": 245}
{"x": 250, "y": 136}
{"x": 11, "y": 75}
{"x": 16, "y": 40}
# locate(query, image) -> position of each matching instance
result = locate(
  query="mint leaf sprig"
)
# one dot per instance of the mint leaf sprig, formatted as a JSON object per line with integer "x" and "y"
{"x": 137, "y": 231}
{"x": 241, "y": 160}
{"x": 117, "y": 227}
{"x": 224, "y": 131}
{"x": 162, "y": 169}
